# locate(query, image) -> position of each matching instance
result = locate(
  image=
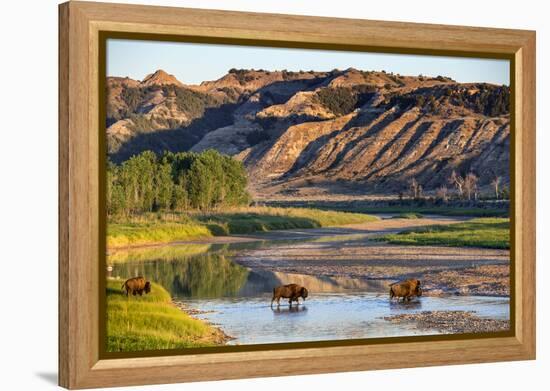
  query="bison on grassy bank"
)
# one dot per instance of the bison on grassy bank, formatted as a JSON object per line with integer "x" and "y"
{"x": 292, "y": 292}
{"x": 406, "y": 289}
{"x": 136, "y": 285}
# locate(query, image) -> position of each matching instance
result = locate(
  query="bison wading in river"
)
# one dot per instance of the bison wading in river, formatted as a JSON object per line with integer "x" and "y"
{"x": 405, "y": 289}
{"x": 292, "y": 292}
{"x": 136, "y": 285}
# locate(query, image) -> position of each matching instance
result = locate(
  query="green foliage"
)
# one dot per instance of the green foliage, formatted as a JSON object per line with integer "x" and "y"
{"x": 408, "y": 215}
{"x": 152, "y": 322}
{"x": 132, "y": 96}
{"x": 197, "y": 276}
{"x": 243, "y": 76}
{"x": 135, "y": 234}
{"x": 193, "y": 103}
{"x": 141, "y": 123}
{"x": 252, "y": 219}
{"x": 176, "y": 181}
{"x": 149, "y": 228}
{"x": 485, "y": 99}
{"x": 481, "y": 232}
{"x": 339, "y": 100}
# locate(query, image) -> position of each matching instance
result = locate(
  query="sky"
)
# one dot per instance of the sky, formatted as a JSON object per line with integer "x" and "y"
{"x": 193, "y": 63}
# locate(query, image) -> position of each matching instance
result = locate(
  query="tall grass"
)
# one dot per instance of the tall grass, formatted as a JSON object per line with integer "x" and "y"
{"x": 121, "y": 235}
{"x": 480, "y": 232}
{"x": 152, "y": 322}
{"x": 154, "y": 228}
{"x": 261, "y": 219}
{"x": 409, "y": 216}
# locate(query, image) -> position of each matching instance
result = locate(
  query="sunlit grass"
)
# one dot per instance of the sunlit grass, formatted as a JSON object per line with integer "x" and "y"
{"x": 409, "y": 215}
{"x": 151, "y": 322}
{"x": 155, "y": 228}
{"x": 481, "y": 232}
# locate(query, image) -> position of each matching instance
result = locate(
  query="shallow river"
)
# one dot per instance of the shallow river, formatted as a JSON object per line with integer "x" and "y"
{"x": 236, "y": 298}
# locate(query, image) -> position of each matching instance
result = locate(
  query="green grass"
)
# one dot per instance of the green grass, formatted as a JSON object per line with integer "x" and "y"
{"x": 151, "y": 322}
{"x": 480, "y": 232}
{"x": 410, "y": 216}
{"x": 261, "y": 219}
{"x": 367, "y": 207}
{"x": 132, "y": 233}
{"x": 152, "y": 228}
{"x": 444, "y": 211}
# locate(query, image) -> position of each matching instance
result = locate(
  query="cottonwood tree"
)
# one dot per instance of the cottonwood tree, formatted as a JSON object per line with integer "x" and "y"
{"x": 470, "y": 185}
{"x": 442, "y": 193}
{"x": 496, "y": 185}
{"x": 416, "y": 188}
{"x": 458, "y": 182}
{"x": 176, "y": 181}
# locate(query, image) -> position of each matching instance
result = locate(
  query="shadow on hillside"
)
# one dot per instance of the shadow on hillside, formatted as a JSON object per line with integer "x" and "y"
{"x": 180, "y": 139}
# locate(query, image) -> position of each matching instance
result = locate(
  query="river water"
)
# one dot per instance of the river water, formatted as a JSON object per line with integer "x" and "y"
{"x": 206, "y": 278}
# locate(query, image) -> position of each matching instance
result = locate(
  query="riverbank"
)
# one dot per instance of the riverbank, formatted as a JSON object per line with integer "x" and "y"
{"x": 152, "y": 322}
{"x": 155, "y": 229}
{"x": 354, "y": 252}
{"x": 480, "y": 232}
{"x": 392, "y": 205}
{"x": 450, "y": 322}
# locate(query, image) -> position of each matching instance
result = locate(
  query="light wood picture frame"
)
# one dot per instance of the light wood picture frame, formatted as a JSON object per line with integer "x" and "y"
{"x": 82, "y": 26}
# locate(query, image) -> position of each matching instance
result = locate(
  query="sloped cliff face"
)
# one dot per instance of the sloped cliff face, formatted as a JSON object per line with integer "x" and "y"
{"x": 314, "y": 133}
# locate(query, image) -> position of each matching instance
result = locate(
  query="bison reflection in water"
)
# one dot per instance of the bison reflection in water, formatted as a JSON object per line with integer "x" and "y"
{"x": 289, "y": 310}
{"x": 292, "y": 292}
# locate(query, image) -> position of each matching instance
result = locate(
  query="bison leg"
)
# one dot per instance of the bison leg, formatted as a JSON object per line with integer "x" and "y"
{"x": 141, "y": 293}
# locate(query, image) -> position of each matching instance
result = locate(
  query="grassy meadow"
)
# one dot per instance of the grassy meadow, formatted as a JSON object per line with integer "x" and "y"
{"x": 359, "y": 206}
{"x": 409, "y": 216}
{"x": 479, "y": 232}
{"x": 164, "y": 228}
{"x": 148, "y": 322}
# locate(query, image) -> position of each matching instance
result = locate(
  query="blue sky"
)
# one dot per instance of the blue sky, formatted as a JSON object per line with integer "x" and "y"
{"x": 194, "y": 63}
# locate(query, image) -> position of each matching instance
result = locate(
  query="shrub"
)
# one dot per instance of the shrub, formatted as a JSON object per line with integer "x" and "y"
{"x": 339, "y": 100}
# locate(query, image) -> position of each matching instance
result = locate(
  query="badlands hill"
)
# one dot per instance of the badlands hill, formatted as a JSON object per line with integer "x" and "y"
{"x": 305, "y": 134}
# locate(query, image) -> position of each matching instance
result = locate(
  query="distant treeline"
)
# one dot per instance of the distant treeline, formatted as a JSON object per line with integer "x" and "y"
{"x": 175, "y": 181}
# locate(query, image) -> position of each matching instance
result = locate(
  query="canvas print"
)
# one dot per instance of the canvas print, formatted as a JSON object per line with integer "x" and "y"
{"x": 260, "y": 196}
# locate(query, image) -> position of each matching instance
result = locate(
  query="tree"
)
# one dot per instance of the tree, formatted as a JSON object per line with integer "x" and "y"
{"x": 470, "y": 185}
{"x": 416, "y": 188}
{"x": 175, "y": 181}
{"x": 163, "y": 186}
{"x": 442, "y": 193}
{"x": 458, "y": 182}
{"x": 496, "y": 185}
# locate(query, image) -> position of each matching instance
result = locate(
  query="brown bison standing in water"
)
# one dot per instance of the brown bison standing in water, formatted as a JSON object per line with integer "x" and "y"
{"x": 292, "y": 292}
{"x": 136, "y": 285}
{"x": 405, "y": 289}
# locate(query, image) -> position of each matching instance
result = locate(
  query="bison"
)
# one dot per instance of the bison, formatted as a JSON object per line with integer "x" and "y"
{"x": 405, "y": 289}
{"x": 292, "y": 292}
{"x": 136, "y": 285}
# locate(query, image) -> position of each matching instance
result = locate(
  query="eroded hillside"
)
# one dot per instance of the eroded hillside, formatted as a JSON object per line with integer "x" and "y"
{"x": 314, "y": 133}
